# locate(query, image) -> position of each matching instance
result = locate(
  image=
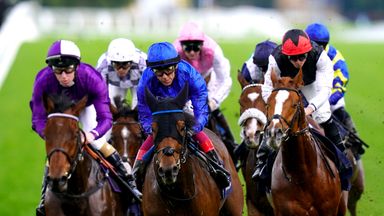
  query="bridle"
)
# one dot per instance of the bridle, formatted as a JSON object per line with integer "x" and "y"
{"x": 288, "y": 132}
{"x": 79, "y": 150}
{"x": 169, "y": 151}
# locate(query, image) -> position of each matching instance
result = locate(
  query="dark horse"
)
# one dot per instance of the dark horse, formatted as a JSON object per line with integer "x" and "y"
{"x": 76, "y": 184}
{"x": 126, "y": 134}
{"x": 252, "y": 121}
{"x": 304, "y": 180}
{"x": 177, "y": 182}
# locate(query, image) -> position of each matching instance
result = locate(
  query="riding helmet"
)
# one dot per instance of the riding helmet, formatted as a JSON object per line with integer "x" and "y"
{"x": 162, "y": 54}
{"x": 262, "y": 52}
{"x": 63, "y": 53}
{"x": 296, "y": 42}
{"x": 318, "y": 32}
{"x": 121, "y": 50}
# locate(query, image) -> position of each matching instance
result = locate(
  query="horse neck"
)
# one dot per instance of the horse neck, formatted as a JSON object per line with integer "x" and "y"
{"x": 299, "y": 151}
{"x": 85, "y": 170}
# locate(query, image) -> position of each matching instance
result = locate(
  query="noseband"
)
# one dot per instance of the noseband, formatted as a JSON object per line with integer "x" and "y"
{"x": 79, "y": 150}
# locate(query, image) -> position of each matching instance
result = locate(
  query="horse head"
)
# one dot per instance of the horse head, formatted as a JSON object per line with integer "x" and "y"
{"x": 62, "y": 138}
{"x": 169, "y": 128}
{"x": 252, "y": 112}
{"x": 126, "y": 135}
{"x": 285, "y": 110}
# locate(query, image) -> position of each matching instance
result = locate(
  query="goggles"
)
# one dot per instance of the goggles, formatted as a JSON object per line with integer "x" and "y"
{"x": 300, "y": 57}
{"x": 168, "y": 70}
{"x": 191, "y": 47}
{"x": 124, "y": 65}
{"x": 67, "y": 70}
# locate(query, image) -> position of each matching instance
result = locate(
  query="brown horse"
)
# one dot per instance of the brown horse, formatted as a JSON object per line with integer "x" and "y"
{"x": 177, "y": 182}
{"x": 252, "y": 121}
{"x": 304, "y": 180}
{"x": 76, "y": 184}
{"x": 126, "y": 134}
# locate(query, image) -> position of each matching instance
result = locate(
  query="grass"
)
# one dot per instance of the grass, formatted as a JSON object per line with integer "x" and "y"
{"x": 23, "y": 154}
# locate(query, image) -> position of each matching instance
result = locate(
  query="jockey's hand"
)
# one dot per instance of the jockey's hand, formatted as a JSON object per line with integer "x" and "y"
{"x": 213, "y": 105}
{"x": 309, "y": 110}
{"x": 89, "y": 137}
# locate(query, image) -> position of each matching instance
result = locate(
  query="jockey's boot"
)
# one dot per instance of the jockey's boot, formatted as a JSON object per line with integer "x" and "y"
{"x": 332, "y": 133}
{"x": 227, "y": 136}
{"x": 221, "y": 175}
{"x": 116, "y": 161}
{"x": 241, "y": 154}
{"x": 262, "y": 155}
{"x": 40, "y": 210}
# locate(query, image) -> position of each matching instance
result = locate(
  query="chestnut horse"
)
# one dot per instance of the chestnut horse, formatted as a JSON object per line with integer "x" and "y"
{"x": 76, "y": 184}
{"x": 304, "y": 180}
{"x": 126, "y": 134}
{"x": 178, "y": 182}
{"x": 252, "y": 121}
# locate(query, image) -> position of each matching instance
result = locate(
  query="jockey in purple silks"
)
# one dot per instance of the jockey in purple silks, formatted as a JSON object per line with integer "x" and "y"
{"x": 65, "y": 73}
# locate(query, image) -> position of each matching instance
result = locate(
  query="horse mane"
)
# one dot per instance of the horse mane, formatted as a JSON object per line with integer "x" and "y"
{"x": 189, "y": 120}
{"x": 61, "y": 102}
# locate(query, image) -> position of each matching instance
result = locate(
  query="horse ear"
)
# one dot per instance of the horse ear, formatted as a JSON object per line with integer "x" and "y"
{"x": 48, "y": 103}
{"x": 243, "y": 82}
{"x": 80, "y": 105}
{"x": 181, "y": 98}
{"x": 274, "y": 77}
{"x": 151, "y": 100}
{"x": 113, "y": 109}
{"x": 298, "y": 80}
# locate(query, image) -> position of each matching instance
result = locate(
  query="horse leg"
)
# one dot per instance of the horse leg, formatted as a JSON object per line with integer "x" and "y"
{"x": 357, "y": 189}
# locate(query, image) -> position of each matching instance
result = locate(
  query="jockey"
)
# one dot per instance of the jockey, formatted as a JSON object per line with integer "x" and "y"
{"x": 319, "y": 33}
{"x": 66, "y": 73}
{"x": 254, "y": 68}
{"x": 207, "y": 57}
{"x": 165, "y": 77}
{"x": 253, "y": 71}
{"x": 121, "y": 66}
{"x": 298, "y": 52}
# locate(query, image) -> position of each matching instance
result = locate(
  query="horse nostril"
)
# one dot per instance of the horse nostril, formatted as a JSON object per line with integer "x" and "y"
{"x": 124, "y": 159}
{"x": 63, "y": 180}
{"x": 161, "y": 171}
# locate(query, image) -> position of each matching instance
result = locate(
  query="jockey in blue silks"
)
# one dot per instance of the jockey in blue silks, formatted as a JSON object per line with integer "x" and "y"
{"x": 165, "y": 76}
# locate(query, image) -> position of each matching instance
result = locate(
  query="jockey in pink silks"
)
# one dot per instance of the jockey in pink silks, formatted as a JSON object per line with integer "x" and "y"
{"x": 207, "y": 57}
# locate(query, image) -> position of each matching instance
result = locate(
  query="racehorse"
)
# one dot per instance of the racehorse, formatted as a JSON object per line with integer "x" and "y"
{"x": 252, "y": 121}
{"x": 126, "y": 134}
{"x": 177, "y": 182}
{"x": 304, "y": 180}
{"x": 76, "y": 184}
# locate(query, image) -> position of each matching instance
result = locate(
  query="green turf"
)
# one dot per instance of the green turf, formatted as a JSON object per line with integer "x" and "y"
{"x": 22, "y": 152}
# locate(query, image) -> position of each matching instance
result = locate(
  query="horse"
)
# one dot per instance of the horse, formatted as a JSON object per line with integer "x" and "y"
{"x": 126, "y": 134}
{"x": 178, "y": 182}
{"x": 76, "y": 183}
{"x": 304, "y": 180}
{"x": 252, "y": 121}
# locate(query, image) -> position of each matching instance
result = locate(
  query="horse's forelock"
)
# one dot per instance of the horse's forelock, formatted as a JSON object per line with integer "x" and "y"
{"x": 61, "y": 102}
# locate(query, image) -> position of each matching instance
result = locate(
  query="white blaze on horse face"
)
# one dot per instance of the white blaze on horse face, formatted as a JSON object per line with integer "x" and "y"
{"x": 125, "y": 134}
{"x": 253, "y": 96}
{"x": 281, "y": 97}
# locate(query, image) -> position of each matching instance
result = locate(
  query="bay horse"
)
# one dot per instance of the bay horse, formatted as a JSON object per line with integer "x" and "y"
{"x": 177, "y": 182}
{"x": 126, "y": 135}
{"x": 252, "y": 121}
{"x": 76, "y": 183}
{"x": 304, "y": 180}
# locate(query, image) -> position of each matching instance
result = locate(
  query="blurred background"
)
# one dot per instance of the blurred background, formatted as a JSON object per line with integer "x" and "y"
{"x": 348, "y": 20}
{"x": 27, "y": 28}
